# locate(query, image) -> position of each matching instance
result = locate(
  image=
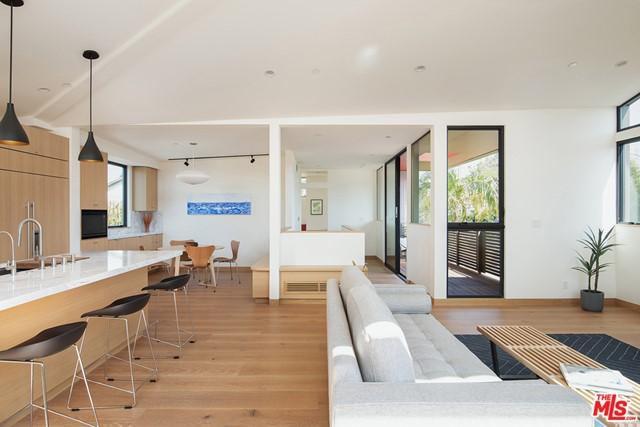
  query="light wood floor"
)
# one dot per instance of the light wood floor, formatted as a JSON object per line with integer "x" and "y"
{"x": 265, "y": 365}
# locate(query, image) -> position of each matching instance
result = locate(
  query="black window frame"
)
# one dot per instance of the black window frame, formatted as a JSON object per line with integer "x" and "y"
{"x": 415, "y": 207}
{"x": 619, "y": 180}
{"x": 633, "y": 99}
{"x": 125, "y": 195}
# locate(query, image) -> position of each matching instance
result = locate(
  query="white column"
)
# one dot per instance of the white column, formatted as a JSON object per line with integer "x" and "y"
{"x": 439, "y": 208}
{"x": 275, "y": 173}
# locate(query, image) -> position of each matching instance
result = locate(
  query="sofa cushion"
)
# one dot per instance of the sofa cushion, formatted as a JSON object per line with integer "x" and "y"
{"x": 438, "y": 356}
{"x": 407, "y": 299}
{"x": 382, "y": 351}
{"x": 351, "y": 278}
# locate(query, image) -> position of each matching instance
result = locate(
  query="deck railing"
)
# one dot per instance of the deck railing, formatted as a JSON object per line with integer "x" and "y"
{"x": 477, "y": 249}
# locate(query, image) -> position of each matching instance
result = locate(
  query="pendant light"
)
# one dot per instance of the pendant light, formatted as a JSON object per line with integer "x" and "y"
{"x": 11, "y": 131}
{"x": 192, "y": 176}
{"x": 90, "y": 152}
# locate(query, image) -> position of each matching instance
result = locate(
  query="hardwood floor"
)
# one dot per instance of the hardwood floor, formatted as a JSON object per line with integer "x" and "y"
{"x": 265, "y": 365}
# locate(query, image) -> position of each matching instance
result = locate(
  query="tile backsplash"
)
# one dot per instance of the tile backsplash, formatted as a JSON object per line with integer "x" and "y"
{"x": 136, "y": 225}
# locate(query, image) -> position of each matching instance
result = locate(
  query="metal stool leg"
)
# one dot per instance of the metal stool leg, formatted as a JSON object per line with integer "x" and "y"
{"x": 43, "y": 380}
{"x": 180, "y": 342}
{"x": 129, "y": 360}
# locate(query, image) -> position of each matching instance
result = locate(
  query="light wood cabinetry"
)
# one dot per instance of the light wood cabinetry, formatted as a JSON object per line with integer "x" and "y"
{"x": 93, "y": 245}
{"x": 35, "y": 179}
{"x": 148, "y": 242}
{"x": 145, "y": 188}
{"x": 93, "y": 184}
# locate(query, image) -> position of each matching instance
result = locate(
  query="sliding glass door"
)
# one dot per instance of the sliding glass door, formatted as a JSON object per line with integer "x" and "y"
{"x": 396, "y": 214}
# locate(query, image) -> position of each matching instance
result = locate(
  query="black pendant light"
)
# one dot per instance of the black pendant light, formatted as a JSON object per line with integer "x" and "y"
{"x": 11, "y": 131}
{"x": 90, "y": 152}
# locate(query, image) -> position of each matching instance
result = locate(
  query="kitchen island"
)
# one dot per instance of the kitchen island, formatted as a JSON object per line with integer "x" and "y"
{"x": 38, "y": 299}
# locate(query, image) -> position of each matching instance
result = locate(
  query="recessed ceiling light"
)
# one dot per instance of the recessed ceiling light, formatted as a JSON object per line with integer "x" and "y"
{"x": 44, "y": 90}
{"x": 388, "y": 136}
{"x": 420, "y": 69}
{"x": 621, "y": 63}
{"x": 193, "y": 143}
{"x": 66, "y": 85}
{"x": 572, "y": 64}
{"x": 270, "y": 73}
{"x": 315, "y": 71}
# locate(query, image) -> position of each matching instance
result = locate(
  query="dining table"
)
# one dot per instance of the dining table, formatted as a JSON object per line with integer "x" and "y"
{"x": 176, "y": 262}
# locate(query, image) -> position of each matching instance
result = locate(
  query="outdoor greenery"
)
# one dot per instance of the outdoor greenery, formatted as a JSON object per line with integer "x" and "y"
{"x": 115, "y": 214}
{"x": 473, "y": 190}
{"x": 598, "y": 245}
{"x": 424, "y": 197}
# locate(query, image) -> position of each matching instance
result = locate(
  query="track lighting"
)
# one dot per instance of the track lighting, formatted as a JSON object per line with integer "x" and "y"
{"x": 186, "y": 162}
{"x": 252, "y": 160}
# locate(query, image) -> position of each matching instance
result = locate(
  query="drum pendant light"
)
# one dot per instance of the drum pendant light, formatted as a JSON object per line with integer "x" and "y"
{"x": 11, "y": 131}
{"x": 90, "y": 151}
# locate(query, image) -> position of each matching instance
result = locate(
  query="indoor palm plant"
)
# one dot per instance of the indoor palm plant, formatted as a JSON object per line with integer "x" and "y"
{"x": 598, "y": 244}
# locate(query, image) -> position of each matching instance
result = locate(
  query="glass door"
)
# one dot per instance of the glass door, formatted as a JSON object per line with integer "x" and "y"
{"x": 391, "y": 214}
{"x": 396, "y": 213}
{"x": 475, "y": 235}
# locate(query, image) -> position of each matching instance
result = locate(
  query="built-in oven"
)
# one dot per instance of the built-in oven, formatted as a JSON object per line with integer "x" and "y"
{"x": 94, "y": 223}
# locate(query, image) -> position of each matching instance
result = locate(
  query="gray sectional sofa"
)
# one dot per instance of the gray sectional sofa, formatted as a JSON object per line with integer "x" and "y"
{"x": 391, "y": 363}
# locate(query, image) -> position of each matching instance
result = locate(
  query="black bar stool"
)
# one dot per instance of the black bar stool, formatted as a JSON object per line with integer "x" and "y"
{"x": 174, "y": 285}
{"x": 115, "y": 311}
{"x": 47, "y": 343}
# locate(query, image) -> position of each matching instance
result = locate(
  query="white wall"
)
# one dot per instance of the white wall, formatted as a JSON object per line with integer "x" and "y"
{"x": 315, "y": 222}
{"x": 352, "y": 201}
{"x": 323, "y": 248}
{"x": 227, "y": 176}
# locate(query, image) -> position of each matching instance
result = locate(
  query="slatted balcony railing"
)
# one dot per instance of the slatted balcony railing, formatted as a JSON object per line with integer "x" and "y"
{"x": 478, "y": 250}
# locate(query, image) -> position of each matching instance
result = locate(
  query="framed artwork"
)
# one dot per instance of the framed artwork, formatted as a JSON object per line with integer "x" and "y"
{"x": 316, "y": 207}
{"x": 219, "y": 204}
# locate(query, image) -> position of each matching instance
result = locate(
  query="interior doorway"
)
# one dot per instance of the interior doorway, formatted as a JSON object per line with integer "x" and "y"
{"x": 475, "y": 234}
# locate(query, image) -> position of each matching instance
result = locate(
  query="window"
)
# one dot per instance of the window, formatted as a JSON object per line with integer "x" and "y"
{"x": 116, "y": 195}
{"x": 629, "y": 181}
{"x": 629, "y": 113}
{"x": 421, "y": 180}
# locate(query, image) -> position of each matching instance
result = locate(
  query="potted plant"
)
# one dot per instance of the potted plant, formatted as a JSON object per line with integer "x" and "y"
{"x": 598, "y": 244}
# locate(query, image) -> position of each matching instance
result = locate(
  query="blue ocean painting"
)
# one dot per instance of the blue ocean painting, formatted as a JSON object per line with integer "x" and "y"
{"x": 218, "y": 208}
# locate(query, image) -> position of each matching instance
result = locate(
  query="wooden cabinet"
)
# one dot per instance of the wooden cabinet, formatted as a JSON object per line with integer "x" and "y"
{"x": 93, "y": 245}
{"x": 149, "y": 242}
{"x": 93, "y": 184}
{"x": 145, "y": 188}
{"x": 36, "y": 186}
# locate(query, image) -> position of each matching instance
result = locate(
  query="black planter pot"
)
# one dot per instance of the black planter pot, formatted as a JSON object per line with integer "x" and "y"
{"x": 592, "y": 300}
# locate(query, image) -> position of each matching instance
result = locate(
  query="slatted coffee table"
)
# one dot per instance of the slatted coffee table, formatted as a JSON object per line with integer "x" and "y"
{"x": 543, "y": 355}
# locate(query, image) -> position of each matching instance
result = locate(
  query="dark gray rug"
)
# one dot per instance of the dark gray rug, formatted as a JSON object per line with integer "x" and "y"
{"x": 612, "y": 353}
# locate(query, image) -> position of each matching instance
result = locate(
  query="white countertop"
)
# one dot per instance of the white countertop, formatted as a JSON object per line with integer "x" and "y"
{"x": 32, "y": 285}
{"x": 128, "y": 235}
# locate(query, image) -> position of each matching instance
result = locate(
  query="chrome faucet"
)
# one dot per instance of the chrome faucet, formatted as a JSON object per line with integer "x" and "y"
{"x": 12, "y": 266}
{"x": 40, "y": 233}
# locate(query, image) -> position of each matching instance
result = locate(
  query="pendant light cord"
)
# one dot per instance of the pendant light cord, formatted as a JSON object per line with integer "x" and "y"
{"x": 91, "y": 95}
{"x": 11, "y": 56}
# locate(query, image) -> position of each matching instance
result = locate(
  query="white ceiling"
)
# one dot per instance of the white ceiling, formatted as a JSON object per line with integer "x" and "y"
{"x": 347, "y": 147}
{"x": 186, "y": 60}
{"x": 173, "y": 141}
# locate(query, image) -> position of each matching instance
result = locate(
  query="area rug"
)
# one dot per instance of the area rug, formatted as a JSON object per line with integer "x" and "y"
{"x": 612, "y": 353}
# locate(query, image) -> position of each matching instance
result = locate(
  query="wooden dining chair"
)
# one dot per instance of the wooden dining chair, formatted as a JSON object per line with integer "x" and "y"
{"x": 233, "y": 261}
{"x": 200, "y": 257}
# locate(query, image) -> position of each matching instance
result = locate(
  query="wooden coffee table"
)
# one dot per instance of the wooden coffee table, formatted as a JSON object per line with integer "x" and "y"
{"x": 543, "y": 355}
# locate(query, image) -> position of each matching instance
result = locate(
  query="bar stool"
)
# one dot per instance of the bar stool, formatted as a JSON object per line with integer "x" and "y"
{"x": 173, "y": 285}
{"x": 114, "y": 311}
{"x": 47, "y": 343}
